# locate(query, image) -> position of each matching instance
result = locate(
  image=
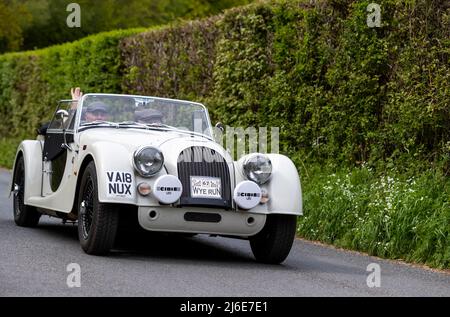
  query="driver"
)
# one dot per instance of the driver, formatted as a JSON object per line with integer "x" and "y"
{"x": 96, "y": 111}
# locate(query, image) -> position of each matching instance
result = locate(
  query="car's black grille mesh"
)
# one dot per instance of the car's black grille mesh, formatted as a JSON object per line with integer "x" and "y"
{"x": 203, "y": 161}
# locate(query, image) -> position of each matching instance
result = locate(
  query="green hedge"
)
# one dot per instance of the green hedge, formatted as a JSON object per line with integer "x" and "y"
{"x": 177, "y": 61}
{"x": 343, "y": 94}
{"x": 340, "y": 91}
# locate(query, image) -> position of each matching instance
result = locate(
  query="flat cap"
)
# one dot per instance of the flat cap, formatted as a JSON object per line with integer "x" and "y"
{"x": 147, "y": 114}
{"x": 97, "y": 106}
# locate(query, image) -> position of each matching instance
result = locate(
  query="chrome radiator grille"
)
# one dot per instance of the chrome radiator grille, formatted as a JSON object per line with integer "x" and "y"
{"x": 203, "y": 161}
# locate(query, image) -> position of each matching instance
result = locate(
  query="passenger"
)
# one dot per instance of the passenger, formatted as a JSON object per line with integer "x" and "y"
{"x": 148, "y": 116}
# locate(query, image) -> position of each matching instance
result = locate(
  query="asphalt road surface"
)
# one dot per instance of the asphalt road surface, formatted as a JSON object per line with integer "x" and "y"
{"x": 34, "y": 262}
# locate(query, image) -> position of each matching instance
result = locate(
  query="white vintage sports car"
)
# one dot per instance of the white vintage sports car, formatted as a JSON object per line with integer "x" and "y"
{"x": 156, "y": 158}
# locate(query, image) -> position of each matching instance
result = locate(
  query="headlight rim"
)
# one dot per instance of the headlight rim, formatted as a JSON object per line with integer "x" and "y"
{"x": 137, "y": 152}
{"x": 246, "y": 160}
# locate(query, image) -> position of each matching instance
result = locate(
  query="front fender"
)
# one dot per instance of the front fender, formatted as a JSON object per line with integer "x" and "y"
{"x": 115, "y": 173}
{"x": 31, "y": 150}
{"x": 284, "y": 187}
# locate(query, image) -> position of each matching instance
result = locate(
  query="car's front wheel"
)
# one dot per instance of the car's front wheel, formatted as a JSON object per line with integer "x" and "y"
{"x": 97, "y": 222}
{"x": 24, "y": 215}
{"x": 274, "y": 242}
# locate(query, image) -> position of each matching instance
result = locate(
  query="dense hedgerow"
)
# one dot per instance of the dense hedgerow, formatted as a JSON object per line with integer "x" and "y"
{"x": 339, "y": 90}
{"x": 343, "y": 95}
{"x": 175, "y": 61}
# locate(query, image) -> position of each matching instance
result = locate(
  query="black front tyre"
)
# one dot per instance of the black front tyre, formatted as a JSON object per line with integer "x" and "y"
{"x": 273, "y": 244}
{"x": 97, "y": 222}
{"x": 24, "y": 215}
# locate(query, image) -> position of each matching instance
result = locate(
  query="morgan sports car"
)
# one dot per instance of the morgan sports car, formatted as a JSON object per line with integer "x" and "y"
{"x": 157, "y": 158}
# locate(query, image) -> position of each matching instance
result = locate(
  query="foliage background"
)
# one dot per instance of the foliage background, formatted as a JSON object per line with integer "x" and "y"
{"x": 366, "y": 105}
{"x": 30, "y": 24}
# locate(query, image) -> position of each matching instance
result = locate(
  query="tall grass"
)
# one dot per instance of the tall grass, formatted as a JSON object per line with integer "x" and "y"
{"x": 386, "y": 214}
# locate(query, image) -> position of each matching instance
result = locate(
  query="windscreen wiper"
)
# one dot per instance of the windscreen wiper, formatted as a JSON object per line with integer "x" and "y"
{"x": 161, "y": 125}
{"x": 131, "y": 123}
{"x": 171, "y": 128}
{"x": 97, "y": 122}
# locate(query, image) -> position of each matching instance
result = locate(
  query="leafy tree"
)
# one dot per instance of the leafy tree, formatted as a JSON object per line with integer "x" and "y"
{"x": 30, "y": 24}
{"x": 13, "y": 18}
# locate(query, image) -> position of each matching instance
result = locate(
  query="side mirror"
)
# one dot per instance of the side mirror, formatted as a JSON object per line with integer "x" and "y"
{"x": 61, "y": 114}
{"x": 220, "y": 126}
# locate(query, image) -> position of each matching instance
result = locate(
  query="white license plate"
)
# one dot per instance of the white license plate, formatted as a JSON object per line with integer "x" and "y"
{"x": 206, "y": 187}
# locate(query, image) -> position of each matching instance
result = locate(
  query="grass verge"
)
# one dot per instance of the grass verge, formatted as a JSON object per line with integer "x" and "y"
{"x": 390, "y": 214}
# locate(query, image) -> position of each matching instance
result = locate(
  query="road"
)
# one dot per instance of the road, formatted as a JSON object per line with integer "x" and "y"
{"x": 33, "y": 262}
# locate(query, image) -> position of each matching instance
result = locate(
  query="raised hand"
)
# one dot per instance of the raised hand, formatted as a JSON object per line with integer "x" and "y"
{"x": 76, "y": 93}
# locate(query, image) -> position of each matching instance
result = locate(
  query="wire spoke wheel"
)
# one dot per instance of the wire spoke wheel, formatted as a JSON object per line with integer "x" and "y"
{"x": 87, "y": 208}
{"x": 97, "y": 221}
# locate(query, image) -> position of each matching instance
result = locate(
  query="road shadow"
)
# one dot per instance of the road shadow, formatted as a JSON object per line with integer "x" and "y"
{"x": 180, "y": 247}
{"x": 141, "y": 243}
{"x": 66, "y": 233}
{"x": 135, "y": 242}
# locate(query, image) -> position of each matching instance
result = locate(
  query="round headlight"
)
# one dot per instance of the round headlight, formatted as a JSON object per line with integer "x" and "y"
{"x": 148, "y": 161}
{"x": 258, "y": 168}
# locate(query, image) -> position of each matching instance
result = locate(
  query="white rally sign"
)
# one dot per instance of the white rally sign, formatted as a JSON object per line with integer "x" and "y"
{"x": 120, "y": 184}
